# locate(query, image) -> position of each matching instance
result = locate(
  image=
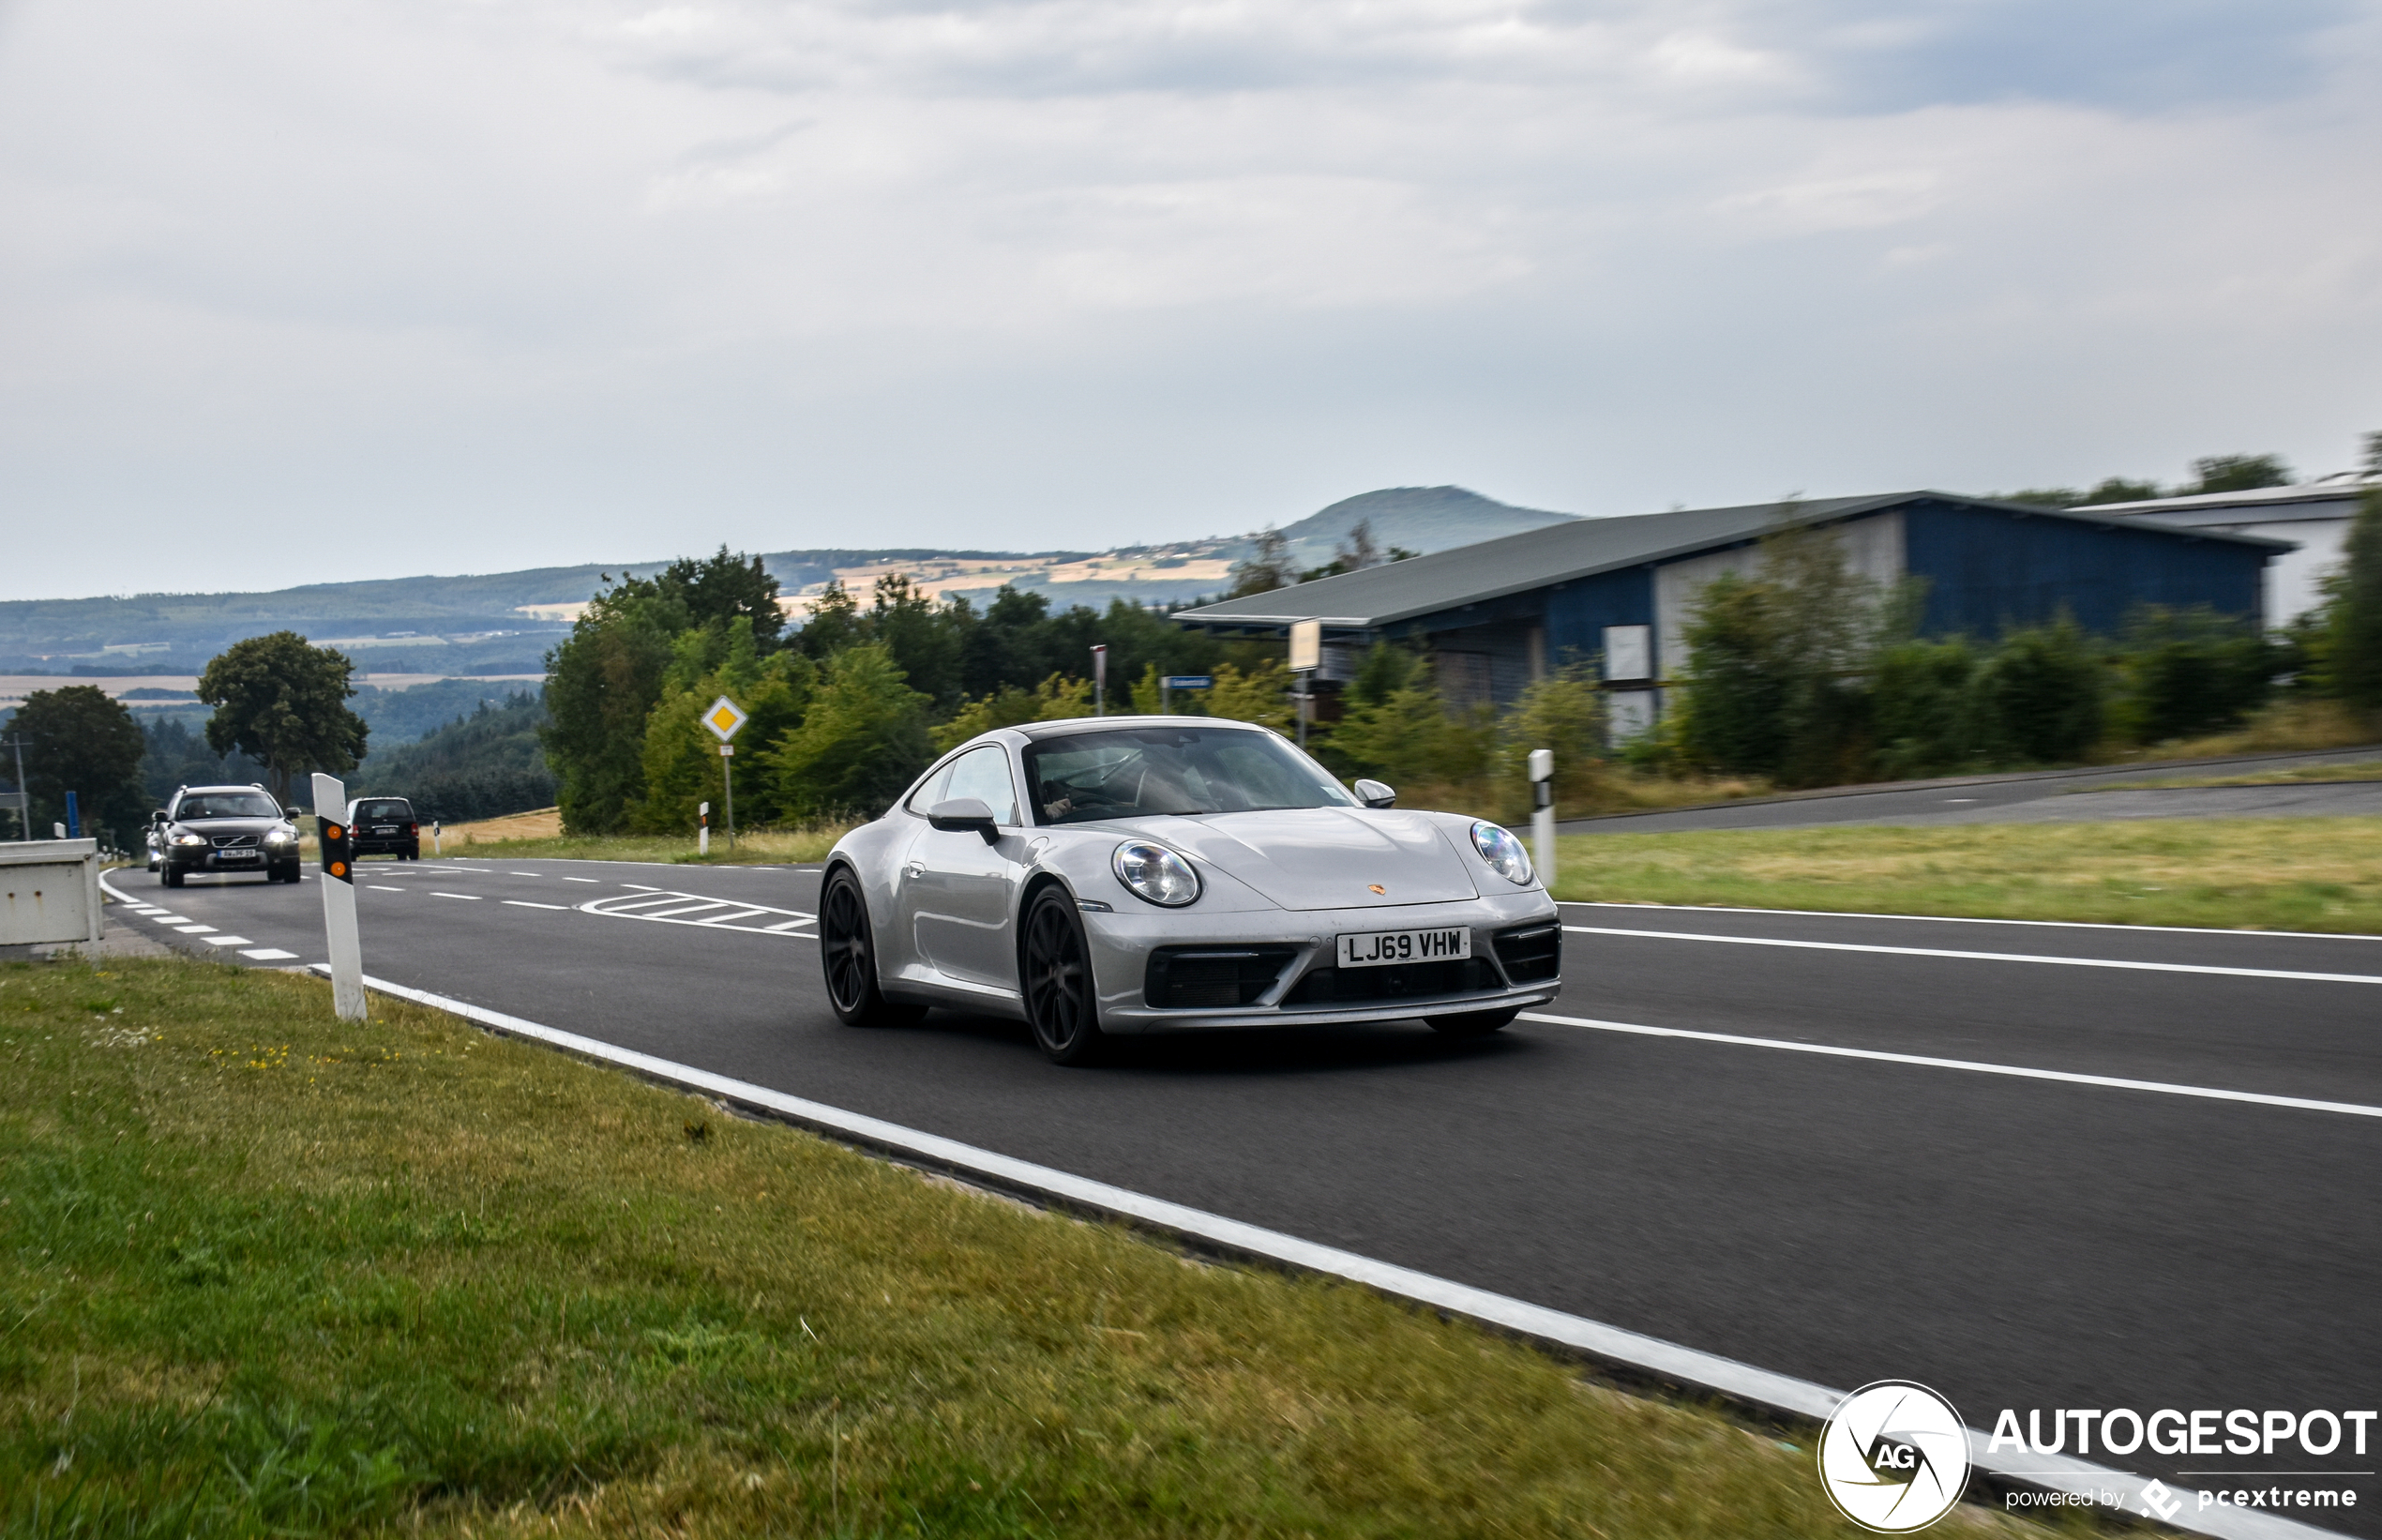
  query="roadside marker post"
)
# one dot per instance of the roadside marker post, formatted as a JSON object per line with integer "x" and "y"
{"x": 1543, "y": 813}
{"x": 1100, "y": 679}
{"x": 702, "y": 828}
{"x": 1307, "y": 656}
{"x": 438, "y": 846}
{"x": 339, "y": 896}
{"x": 724, "y": 718}
{"x": 1168, "y": 684}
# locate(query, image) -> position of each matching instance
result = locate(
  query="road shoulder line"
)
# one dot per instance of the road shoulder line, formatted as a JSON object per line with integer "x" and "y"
{"x": 1969, "y": 919}
{"x": 1648, "y": 1357}
{"x": 2290, "y": 975}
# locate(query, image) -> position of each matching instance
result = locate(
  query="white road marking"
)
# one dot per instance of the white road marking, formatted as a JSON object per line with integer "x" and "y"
{"x": 1670, "y": 1361}
{"x": 525, "y": 903}
{"x": 1968, "y": 919}
{"x": 377, "y": 888}
{"x": 1924, "y": 1061}
{"x": 641, "y": 888}
{"x": 191, "y": 929}
{"x": 694, "y": 909}
{"x": 579, "y": 879}
{"x": 228, "y": 940}
{"x": 467, "y": 898}
{"x": 528, "y": 874}
{"x": 268, "y": 953}
{"x": 1985, "y": 957}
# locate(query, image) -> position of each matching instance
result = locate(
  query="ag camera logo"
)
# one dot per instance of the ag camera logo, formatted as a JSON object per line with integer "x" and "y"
{"x": 1894, "y": 1456}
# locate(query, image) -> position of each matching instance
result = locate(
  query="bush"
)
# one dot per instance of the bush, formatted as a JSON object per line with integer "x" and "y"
{"x": 2191, "y": 671}
{"x": 1925, "y": 710}
{"x": 2041, "y": 694}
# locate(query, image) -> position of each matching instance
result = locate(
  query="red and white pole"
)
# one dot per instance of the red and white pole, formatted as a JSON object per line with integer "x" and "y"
{"x": 339, "y": 896}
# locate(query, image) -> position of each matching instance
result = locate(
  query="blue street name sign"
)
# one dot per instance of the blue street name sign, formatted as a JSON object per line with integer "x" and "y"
{"x": 1189, "y": 681}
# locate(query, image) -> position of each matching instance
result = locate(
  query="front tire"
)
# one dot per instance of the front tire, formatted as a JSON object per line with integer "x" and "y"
{"x": 170, "y": 877}
{"x": 1061, "y": 1006}
{"x": 848, "y": 957}
{"x": 1472, "y": 1023}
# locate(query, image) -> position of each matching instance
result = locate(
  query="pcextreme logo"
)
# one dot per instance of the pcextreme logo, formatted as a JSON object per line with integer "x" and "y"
{"x": 1894, "y": 1456}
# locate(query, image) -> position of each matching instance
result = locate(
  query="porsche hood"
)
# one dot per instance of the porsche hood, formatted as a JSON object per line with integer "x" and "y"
{"x": 1324, "y": 858}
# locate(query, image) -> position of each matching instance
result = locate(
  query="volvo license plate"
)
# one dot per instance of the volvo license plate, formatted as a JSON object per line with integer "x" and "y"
{"x": 238, "y": 855}
{"x": 1385, "y": 948}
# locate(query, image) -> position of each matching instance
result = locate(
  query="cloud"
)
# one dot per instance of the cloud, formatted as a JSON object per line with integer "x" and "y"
{"x": 549, "y": 282}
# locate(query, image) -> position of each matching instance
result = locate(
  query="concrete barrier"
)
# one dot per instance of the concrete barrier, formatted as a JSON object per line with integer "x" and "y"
{"x": 48, "y": 892}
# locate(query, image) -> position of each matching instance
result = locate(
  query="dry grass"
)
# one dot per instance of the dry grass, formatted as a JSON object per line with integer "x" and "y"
{"x": 261, "y": 1271}
{"x": 2287, "y": 775}
{"x": 2283, "y": 726}
{"x": 541, "y": 834}
{"x": 2270, "y": 874}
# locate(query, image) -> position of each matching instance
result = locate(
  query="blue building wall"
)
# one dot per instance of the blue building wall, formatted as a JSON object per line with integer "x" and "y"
{"x": 1577, "y": 612}
{"x": 1987, "y": 571}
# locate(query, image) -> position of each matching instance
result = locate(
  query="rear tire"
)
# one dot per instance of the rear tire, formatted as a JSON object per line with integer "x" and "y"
{"x": 848, "y": 958}
{"x": 1472, "y": 1023}
{"x": 1061, "y": 1006}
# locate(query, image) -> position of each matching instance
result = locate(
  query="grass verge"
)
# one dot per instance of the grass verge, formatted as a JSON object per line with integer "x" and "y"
{"x": 2245, "y": 873}
{"x": 526, "y": 836}
{"x": 263, "y": 1273}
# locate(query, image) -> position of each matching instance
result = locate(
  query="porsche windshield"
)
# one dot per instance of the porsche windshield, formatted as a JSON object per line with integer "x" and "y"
{"x": 226, "y": 804}
{"x": 1136, "y": 772}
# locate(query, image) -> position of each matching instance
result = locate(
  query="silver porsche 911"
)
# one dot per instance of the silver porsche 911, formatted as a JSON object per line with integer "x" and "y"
{"x": 1131, "y": 874}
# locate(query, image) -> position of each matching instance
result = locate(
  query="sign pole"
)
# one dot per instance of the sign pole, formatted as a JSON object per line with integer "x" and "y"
{"x": 728, "y": 781}
{"x": 1543, "y": 813}
{"x": 339, "y": 896}
{"x": 1307, "y": 656}
{"x": 1100, "y": 679}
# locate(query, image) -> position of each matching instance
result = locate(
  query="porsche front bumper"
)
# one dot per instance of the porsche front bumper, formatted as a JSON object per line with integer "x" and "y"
{"x": 1295, "y": 951}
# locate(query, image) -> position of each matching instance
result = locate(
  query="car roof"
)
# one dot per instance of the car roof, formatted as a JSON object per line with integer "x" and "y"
{"x": 211, "y": 791}
{"x": 1066, "y": 726}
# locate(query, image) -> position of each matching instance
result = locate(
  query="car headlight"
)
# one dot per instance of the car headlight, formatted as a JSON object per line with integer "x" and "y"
{"x": 187, "y": 838}
{"x": 1156, "y": 873}
{"x": 1502, "y": 851}
{"x": 280, "y": 837}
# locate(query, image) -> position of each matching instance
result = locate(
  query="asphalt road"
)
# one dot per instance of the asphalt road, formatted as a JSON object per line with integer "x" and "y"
{"x": 2046, "y": 796}
{"x": 2013, "y": 1241}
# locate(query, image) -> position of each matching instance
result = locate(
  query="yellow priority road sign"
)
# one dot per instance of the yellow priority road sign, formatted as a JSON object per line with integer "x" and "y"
{"x": 724, "y": 718}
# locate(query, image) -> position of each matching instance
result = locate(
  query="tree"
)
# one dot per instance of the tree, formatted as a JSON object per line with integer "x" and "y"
{"x": 863, "y": 740}
{"x": 1056, "y": 697}
{"x": 2353, "y": 630}
{"x": 2116, "y": 489}
{"x": 2240, "y": 472}
{"x": 1261, "y": 695}
{"x": 283, "y": 704}
{"x": 600, "y": 683}
{"x": 1266, "y": 567}
{"x": 682, "y": 759}
{"x": 76, "y": 739}
{"x": 1564, "y": 713}
{"x": 1360, "y": 549}
{"x": 725, "y": 586}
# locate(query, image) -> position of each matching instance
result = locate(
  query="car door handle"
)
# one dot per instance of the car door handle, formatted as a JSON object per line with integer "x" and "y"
{"x": 916, "y": 869}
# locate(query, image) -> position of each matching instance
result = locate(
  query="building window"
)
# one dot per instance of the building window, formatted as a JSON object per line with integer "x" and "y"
{"x": 1629, "y": 651}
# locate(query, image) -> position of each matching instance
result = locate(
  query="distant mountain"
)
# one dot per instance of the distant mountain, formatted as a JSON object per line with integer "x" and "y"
{"x": 1421, "y": 518}
{"x": 502, "y": 622}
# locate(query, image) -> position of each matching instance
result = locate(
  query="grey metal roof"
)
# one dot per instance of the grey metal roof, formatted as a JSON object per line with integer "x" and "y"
{"x": 1514, "y": 563}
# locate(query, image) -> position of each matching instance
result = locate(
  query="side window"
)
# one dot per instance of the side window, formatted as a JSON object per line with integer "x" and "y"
{"x": 930, "y": 791}
{"x": 984, "y": 774}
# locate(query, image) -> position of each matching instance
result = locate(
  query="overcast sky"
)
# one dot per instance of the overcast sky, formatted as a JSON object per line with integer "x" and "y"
{"x": 290, "y": 291}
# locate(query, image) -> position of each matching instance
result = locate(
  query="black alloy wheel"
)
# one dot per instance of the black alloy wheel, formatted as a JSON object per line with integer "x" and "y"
{"x": 1472, "y": 1023}
{"x": 848, "y": 955}
{"x": 1061, "y": 1004}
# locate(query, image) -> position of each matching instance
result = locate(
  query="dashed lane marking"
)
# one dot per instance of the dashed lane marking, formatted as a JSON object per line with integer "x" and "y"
{"x": 525, "y": 903}
{"x": 1983, "y": 956}
{"x": 467, "y": 898}
{"x": 579, "y": 879}
{"x": 268, "y": 953}
{"x": 377, "y": 888}
{"x": 1923, "y": 1061}
{"x": 227, "y": 941}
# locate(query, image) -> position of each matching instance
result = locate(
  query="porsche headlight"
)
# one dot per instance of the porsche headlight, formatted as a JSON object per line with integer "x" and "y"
{"x": 1502, "y": 851}
{"x": 1155, "y": 873}
{"x": 185, "y": 838}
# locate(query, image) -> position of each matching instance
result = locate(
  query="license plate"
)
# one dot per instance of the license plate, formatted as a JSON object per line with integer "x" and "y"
{"x": 1387, "y": 948}
{"x": 385, "y": 828}
{"x": 238, "y": 855}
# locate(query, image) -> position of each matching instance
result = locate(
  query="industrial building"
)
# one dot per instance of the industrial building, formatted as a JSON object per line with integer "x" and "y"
{"x": 2313, "y": 516}
{"x": 1498, "y": 614}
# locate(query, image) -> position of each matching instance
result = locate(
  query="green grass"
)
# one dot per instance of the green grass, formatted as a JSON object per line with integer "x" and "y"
{"x": 2268, "y": 874}
{"x": 2293, "y": 774}
{"x": 263, "y": 1273}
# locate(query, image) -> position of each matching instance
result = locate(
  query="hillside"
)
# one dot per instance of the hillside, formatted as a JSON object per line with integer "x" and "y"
{"x": 502, "y": 622}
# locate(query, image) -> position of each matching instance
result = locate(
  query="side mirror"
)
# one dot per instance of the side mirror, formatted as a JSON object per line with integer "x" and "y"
{"x": 1373, "y": 793}
{"x": 963, "y": 815}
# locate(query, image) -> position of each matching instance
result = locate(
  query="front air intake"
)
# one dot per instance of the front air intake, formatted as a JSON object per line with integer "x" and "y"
{"x": 1206, "y": 978}
{"x": 1531, "y": 954}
